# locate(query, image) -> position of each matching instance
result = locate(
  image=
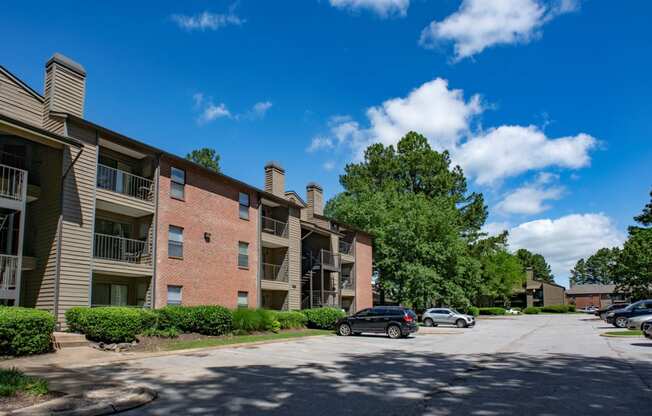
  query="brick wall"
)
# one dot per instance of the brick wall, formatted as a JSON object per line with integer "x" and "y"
{"x": 363, "y": 270}
{"x": 208, "y": 272}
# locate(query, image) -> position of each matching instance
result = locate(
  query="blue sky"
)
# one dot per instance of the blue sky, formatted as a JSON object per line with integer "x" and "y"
{"x": 545, "y": 104}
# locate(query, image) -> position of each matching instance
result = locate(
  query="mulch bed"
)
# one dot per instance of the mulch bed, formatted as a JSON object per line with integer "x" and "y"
{"x": 22, "y": 399}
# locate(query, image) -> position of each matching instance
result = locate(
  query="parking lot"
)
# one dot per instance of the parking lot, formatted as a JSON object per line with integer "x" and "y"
{"x": 526, "y": 365}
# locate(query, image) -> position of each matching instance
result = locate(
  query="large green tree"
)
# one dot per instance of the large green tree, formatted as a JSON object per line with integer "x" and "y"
{"x": 634, "y": 269}
{"x": 600, "y": 268}
{"x": 502, "y": 272}
{"x": 422, "y": 217}
{"x": 540, "y": 268}
{"x": 207, "y": 157}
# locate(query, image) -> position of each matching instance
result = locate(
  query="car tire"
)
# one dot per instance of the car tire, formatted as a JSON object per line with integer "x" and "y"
{"x": 428, "y": 322}
{"x": 461, "y": 323}
{"x": 394, "y": 332}
{"x": 620, "y": 322}
{"x": 344, "y": 330}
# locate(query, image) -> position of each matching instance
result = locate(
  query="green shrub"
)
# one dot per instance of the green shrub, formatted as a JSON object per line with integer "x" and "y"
{"x": 291, "y": 319}
{"x": 572, "y": 308}
{"x": 250, "y": 320}
{"x": 110, "y": 324}
{"x": 205, "y": 320}
{"x": 555, "y": 309}
{"x": 161, "y": 333}
{"x": 473, "y": 311}
{"x": 13, "y": 380}
{"x": 25, "y": 331}
{"x": 323, "y": 318}
{"x": 492, "y": 311}
{"x": 531, "y": 310}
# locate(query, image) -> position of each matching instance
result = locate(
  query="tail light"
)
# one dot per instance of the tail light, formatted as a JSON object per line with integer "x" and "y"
{"x": 408, "y": 318}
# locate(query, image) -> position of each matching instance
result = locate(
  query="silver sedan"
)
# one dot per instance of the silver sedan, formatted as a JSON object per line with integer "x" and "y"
{"x": 638, "y": 321}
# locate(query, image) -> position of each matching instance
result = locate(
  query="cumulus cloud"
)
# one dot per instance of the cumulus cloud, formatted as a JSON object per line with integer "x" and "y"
{"x": 319, "y": 143}
{"x": 212, "y": 112}
{"x": 565, "y": 240}
{"x": 529, "y": 199}
{"x": 260, "y": 109}
{"x": 329, "y": 165}
{"x": 479, "y": 24}
{"x": 207, "y": 21}
{"x": 208, "y": 111}
{"x": 383, "y": 8}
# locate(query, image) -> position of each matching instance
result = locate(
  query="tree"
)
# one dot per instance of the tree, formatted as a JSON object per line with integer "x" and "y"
{"x": 634, "y": 268}
{"x": 540, "y": 268}
{"x": 600, "y": 268}
{"x": 422, "y": 218}
{"x": 207, "y": 157}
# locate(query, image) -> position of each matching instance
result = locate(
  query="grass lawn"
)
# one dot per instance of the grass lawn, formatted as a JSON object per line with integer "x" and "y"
{"x": 240, "y": 339}
{"x": 13, "y": 381}
{"x": 624, "y": 333}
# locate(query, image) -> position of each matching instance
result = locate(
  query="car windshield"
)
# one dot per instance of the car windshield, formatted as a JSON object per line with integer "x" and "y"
{"x": 455, "y": 312}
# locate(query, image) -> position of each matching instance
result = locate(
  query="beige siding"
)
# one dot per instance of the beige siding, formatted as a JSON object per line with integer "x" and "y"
{"x": 67, "y": 90}
{"x": 18, "y": 102}
{"x": 116, "y": 268}
{"x": 273, "y": 285}
{"x": 138, "y": 207}
{"x": 294, "y": 259}
{"x": 274, "y": 240}
{"x": 50, "y": 123}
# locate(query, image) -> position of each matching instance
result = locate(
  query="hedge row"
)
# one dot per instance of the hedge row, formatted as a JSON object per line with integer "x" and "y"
{"x": 110, "y": 324}
{"x": 533, "y": 310}
{"x": 492, "y": 311}
{"x": 323, "y": 318}
{"x": 25, "y": 331}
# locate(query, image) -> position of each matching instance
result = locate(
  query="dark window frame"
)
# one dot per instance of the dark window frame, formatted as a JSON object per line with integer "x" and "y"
{"x": 243, "y": 208}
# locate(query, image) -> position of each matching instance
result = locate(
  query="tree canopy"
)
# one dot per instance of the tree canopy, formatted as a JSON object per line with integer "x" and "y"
{"x": 540, "y": 268}
{"x": 600, "y": 268}
{"x": 207, "y": 157}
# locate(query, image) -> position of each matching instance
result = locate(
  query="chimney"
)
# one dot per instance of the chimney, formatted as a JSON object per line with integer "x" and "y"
{"x": 275, "y": 179}
{"x": 529, "y": 274}
{"x": 65, "y": 87}
{"x": 315, "y": 199}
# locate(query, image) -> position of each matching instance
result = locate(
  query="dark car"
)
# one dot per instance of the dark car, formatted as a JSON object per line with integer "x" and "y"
{"x": 619, "y": 317}
{"x": 602, "y": 313}
{"x": 395, "y": 321}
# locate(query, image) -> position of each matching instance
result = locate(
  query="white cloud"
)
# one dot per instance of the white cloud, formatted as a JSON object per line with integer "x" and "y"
{"x": 383, "y": 8}
{"x": 207, "y": 21}
{"x": 329, "y": 165}
{"x": 212, "y": 112}
{"x": 479, "y": 24}
{"x": 319, "y": 143}
{"x": 495, "y": 228}
{"x": 508, "y": 151}
{"x": 528, "y": 199}
{"x": 260, "y": 109}
{"x": 565, "y": 240}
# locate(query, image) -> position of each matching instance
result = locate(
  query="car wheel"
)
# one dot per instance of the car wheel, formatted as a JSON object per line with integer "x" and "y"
{"x": 344, "y": 330}
{"x": 428, "y": 322}
{"x": 394, "y": 332}
{"x": 460, "y": 323}
{"x": 620, "y": 322}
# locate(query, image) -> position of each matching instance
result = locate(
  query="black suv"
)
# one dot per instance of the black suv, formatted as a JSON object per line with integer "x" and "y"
{"x": 619, "y": 317}
{"x": 602, "y": 313}
{"x": 395, "y": 321}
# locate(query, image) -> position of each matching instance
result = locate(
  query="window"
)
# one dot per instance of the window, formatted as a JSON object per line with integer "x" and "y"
{"x": 175, "y": 242}
{"x": 174, "y": 295}
{"x": 244, "y": 206}
{"x": 243, "y": 299}
{"x": 105, "y": 294}
{"x": 243, "y": 254}
{"x": 177, "y": 183}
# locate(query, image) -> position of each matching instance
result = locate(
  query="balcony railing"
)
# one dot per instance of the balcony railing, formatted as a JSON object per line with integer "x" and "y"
{"x": 348, "y": 282}
{"x": 346, "y": 247}
{"x": 121, "y": 249}
{"x": 125, "y": 183}
{"x": 276, "y": 272}
{"x": 329, "y": 299}
{"x": 12, "y": 182}
{"x": 276, "y": 227}
{"x": 8, "y": 271}
{"x": 330, "y": 259}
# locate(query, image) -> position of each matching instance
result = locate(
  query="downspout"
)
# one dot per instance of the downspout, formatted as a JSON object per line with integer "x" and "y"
{"x": 155, "y": 233}
{"x": 57, "y": 275}
{"x": 259, "y": 286}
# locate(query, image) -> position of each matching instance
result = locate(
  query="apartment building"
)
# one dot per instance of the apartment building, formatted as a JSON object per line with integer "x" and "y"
{"x": 91, "y": 217}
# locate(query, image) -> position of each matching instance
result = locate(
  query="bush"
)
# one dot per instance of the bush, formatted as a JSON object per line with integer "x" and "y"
{"x": 531, "y": 310}
{"x": 473, "y": 311}
{"x": 555, "y": 309}
{"x": 13, "y": 381}
{"x": 291, "y": 320}
{"x": 25, "y": 331}
{"x": 323, "y": 318}
{"x": 492, "y": 311}
{"x": 161, "y": 333}
{"x": 205, "y": 320}
{"x": 110, "y": 324}
{"x": 572, "y": 308}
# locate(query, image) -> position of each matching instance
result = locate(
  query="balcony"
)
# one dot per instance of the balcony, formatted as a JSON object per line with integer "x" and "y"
{"x": 123, "y": 192}
{"x": 8, "y": 272}
{"x": 348, "y": 285}
{"x": 275, "y": 272}
{"x": 274, "y": 232}
{"x": 121, "y": 256}
{"x": 329, "y": 299}
{"x": 13, "y": 186}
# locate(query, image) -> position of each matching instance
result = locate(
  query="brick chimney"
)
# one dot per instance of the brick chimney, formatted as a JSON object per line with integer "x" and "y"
{"x": 275, "y": 179}
{"x": 65, "y": 88}
{"x": 315, "y": 199}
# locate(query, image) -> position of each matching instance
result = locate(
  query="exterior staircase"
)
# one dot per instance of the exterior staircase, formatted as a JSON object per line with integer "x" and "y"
{"x": 69, "y": 340}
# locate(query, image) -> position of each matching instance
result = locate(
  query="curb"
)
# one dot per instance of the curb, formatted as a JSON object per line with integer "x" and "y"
{"x": 105, "y": 401}
{"x": 622, "y": 336}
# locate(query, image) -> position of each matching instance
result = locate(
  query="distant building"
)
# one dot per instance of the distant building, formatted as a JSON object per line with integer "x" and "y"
{"x": 600, "y": 296}
{"x": 538, "y": 293}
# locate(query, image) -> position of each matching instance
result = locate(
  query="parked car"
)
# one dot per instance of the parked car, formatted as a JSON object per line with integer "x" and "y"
{"x": 638, "y": 321}
{"x": 591, "y": 309}
{"x": 602, "y": 313}
{"x": 619, "y": 317}
{"x": 512, "y": 311}
{"x": 437, "y": 316}
{"x": 647, "y": 330}
{"x": 395, "y": 321}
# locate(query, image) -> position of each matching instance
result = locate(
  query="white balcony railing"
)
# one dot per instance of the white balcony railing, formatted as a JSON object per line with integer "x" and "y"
{"x": 12, "y": 182}
{"x": 121, "y": 249}
{"x": 125, "y": 183}
{"x": 8, "y": 272}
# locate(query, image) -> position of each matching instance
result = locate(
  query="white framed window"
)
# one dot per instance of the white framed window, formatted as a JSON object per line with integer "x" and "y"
{"x": 243, "y": 254}
{"x": 174, "y": 295}
{"x": 177, "y": 183}
{"x": 243, "y": 299}
{"x": 244, "y": 205}
{"x": 175, "y": 241}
